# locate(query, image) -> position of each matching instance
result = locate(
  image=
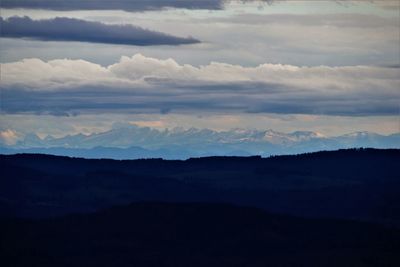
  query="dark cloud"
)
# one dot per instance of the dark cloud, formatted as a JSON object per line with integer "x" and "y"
{"x": 128, "y": 5}
{"x": 67, "y": 29}
{"x": 259, "y": 98}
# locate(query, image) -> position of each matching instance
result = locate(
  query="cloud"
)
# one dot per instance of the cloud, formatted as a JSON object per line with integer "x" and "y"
{"x": 8, "y": 137}
{"x": 387, "y": 4}
{"x": 135, "y": 5}
{"x": 337, "y": 20}
{"x": 349, "y": 35}
{"x": 147, "y": 5}
{"x": 141, "y": 84}
{"x": 68, "y": 29}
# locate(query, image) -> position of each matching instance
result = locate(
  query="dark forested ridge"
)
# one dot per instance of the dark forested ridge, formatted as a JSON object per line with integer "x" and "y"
{"x": 349, "y": 184}
{"x": 190, "y": 234}
{"x": 359, "y": 184}
{"x": 338, "y": 208}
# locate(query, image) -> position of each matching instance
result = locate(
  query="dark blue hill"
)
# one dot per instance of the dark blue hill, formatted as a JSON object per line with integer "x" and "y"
{"x": 362, "y": 184}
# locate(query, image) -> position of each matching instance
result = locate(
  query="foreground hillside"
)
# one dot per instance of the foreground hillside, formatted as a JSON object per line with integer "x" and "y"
{"x": 362, "y": 184}
{"x": 177, "y": 235}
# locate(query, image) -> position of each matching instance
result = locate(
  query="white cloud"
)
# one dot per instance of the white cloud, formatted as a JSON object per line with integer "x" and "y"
{"x": 8, "y": 137}
{"x": 142, "y": 83}
{"x": 37, "y": 74}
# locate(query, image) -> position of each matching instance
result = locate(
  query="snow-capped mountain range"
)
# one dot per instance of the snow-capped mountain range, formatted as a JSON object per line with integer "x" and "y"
{"x": 131, "y": 141}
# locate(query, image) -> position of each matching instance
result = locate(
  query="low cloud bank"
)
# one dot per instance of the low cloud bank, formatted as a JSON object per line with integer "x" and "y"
{"x": 141, "y": 84}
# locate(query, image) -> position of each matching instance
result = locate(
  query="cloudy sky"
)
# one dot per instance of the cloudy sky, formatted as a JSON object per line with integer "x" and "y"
{"x": 80, "y": 66}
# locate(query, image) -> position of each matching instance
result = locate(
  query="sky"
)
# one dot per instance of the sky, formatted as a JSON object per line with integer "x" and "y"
{"x": 71, "y": 67}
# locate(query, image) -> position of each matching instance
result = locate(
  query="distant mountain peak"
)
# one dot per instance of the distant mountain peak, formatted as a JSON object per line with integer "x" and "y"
{"x": 193, "y": 142}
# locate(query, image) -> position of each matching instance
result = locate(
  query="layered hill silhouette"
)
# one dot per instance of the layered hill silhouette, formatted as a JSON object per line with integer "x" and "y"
{"x": 171, "y": 234}
{"x": 331, "y": 208}
{"x": 360, "y": 184}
